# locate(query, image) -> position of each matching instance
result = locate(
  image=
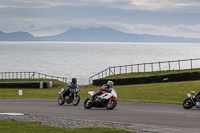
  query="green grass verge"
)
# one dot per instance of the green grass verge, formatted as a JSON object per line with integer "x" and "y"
{"x": 12, "y": 126}
{"x": 32, "y": 93}
{"x": 171, "y": 92}
{"x": 149, "y": 74}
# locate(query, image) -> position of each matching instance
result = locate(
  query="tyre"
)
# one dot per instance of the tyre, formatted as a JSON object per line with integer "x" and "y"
{"x": 60, "y": 101}
{"x": 111, "y": 104}
{"x": 76, "y": 100}
{"x": 88, "y": 104}
{"x": 187, "y": 103}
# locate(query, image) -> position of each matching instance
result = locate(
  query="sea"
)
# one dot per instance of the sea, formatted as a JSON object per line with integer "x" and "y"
{"x": 84, "y": 59}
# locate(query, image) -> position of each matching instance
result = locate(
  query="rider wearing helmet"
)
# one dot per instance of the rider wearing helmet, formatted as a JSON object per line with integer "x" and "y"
{"x": 72, "y": 85}
{"x": 106, "y": 88}
{"x": 74, "y": 81}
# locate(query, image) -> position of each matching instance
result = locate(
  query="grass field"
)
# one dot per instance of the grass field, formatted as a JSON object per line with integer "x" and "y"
{"x": 171, "y": 92}
{"x": 12, "y": 126}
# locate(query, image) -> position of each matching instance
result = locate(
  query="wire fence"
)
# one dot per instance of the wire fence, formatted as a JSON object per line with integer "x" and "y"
{"x": 148, "y": 67}
{"x": 29, "y": 75}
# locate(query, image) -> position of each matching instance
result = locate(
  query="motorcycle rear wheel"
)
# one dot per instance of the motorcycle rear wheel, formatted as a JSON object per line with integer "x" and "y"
{"x": 87, "y": 104}
{"x": 60, "y": 101}
{"x": 187, "y": 103}
{"x": 76, "y": 100}
{"x": 111, "y": 104}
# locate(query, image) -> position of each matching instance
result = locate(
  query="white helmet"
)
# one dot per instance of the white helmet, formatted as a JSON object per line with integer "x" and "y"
{"x": 110, "y": 84}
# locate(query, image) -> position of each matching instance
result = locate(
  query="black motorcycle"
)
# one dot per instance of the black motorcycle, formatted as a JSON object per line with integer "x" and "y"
{"x": 73, "y": 97}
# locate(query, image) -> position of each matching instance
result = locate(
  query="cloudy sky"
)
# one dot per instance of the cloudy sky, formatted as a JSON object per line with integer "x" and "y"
{"x": 50, "y": 17}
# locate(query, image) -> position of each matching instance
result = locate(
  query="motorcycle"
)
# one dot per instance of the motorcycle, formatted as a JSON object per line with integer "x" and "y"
{"x": 73, "y": 98}
{"x": 108, "y": 100}
{"x": 192, "y": 100}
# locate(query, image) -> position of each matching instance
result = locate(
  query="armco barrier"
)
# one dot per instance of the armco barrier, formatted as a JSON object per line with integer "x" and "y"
{"x": 148, "y": 67}
{"x": 34, "y": 84}
{"x": 153, "y": 79}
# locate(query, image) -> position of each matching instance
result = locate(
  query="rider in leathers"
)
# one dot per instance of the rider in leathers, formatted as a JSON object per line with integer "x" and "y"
{"x": 106, "y": 88}
{"x": 72, "y": 85}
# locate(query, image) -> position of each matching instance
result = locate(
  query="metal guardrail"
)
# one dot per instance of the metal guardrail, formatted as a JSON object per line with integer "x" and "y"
{"x": 29, "y": 75}
{"x": 148, "y": 67}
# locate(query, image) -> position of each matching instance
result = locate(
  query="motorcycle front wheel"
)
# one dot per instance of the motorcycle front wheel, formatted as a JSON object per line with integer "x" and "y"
{"x": 60, "y": 101}
{"x": 111, "y": 104}
{"x": 187, "y": 103}
{"x": 76, "y": 100}
{"x": 88, "y": 104}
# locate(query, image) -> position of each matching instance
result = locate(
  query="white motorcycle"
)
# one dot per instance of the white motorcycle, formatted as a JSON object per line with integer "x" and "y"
{"x": 108, "y": 100}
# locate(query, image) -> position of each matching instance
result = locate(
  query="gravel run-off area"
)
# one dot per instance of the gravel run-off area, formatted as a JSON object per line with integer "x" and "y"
{"x": 73, "y": 123}
{"x": 80, "y": 123}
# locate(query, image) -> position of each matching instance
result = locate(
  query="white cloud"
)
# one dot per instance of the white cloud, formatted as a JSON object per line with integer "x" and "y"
{"x": 152, "y": 5}
{"x": 159, "y": 5}
{"x": 189, "y": 31}
{"x": 47, "y": 17}
{"x": 46, "y": 27}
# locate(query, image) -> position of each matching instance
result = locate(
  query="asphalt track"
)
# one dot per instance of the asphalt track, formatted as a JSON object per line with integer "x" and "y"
{"x": 126, "y": 112}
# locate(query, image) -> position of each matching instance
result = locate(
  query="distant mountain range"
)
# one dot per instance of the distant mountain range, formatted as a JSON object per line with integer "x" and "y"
{"x": 95, "y": 35}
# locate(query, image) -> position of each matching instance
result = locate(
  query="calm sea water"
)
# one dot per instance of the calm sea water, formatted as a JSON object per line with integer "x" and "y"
{"x": 82, "y": 60}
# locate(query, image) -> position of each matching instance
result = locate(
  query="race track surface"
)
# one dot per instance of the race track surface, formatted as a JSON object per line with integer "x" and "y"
{"x": 126, "y": 112}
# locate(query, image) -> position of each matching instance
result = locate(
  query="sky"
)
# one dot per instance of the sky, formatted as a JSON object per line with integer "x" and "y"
{"x": 51, "y": 17}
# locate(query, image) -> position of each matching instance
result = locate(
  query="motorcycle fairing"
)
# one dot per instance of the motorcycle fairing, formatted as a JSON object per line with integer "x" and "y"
{"x": 198, "y": 104}
{"x": 106, "y": 96}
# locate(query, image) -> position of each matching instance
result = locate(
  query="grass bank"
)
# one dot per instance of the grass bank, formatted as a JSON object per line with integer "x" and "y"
{"x": 171, "y": 92}
{"x": 149, "y": 74}
{"x": 12, "y": 126}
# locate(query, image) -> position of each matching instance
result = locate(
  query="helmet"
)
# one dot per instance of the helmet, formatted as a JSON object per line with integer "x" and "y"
{"x": 74, "y": 80}
{"x": 110, "y": 84}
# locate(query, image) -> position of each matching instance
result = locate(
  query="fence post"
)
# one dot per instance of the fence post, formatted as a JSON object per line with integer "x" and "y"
{"x": 179, "y": 65}
{"x": 191, "y": 63}
{"x": 144, "y": 68}
{"x": 33, "y": 75}
{"x": 138, "y": 67}
{"x": 152, "y": 67}
{"x": 131, "y": 68}
{"x": 169, "y": 65}
{"x": 111, "y": 71}
{"x": 120, "y": 70}
{"x": 159, "y": 67}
